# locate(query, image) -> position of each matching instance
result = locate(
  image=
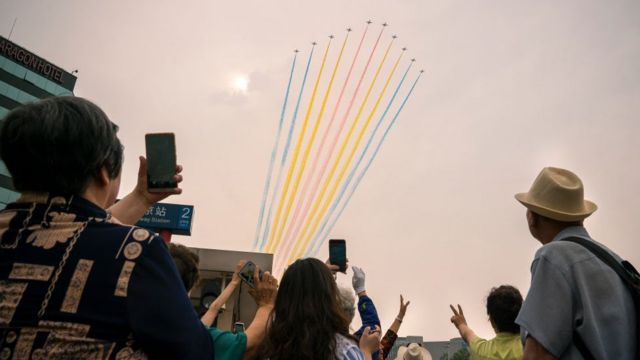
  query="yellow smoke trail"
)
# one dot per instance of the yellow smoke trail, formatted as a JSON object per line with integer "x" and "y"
{"x": 296, "y": 152}
{"x": 332, "y": 194}
{"x": 307, "y": 150}
{"x": 305, "y": 239}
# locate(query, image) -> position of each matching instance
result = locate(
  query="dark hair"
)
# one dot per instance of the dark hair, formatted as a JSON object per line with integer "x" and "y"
{"x": 187, "y": 264}
{"x": 307, "y": 315}
{"x": 503, "y": 306}
{"x": 57, "y": 145}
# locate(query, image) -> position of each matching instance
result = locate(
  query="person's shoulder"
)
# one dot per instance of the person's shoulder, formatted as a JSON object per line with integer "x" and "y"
{"x": 477, "y": 340}
{"x": 560, "y": 252}
{"x": 129, "y": 241}
{"x": 557, "y": 248}
{"x": 227, "y": 338}
{"x": 347, "y": 348}
{"x": 344, "y": 343}
{"x": 477, "y": 344}
{"x": 487, "y": 349}
{"x": 345, "y": 339}
{"x": 115, "y": 226}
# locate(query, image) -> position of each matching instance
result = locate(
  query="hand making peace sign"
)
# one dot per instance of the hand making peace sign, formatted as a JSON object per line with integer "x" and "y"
{"x": 458, "y": 316}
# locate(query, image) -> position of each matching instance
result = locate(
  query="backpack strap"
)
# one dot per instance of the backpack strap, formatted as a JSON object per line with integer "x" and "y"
{"x": 605, "y": 256}
{"x": 625, "y": 270}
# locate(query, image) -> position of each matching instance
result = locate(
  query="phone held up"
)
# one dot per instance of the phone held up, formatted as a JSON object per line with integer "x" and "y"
{"x": 247, "y": 272}
{"x": 338, "y": 253}
{"x": 161, "y": 162}
{"x": 238, "y": 327}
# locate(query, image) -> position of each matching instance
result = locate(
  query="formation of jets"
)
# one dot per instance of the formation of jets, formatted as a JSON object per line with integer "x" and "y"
{"x": 385, "y": 24}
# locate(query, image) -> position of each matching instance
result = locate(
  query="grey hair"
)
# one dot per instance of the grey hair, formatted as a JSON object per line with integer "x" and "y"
{"x": 347, "y": 302}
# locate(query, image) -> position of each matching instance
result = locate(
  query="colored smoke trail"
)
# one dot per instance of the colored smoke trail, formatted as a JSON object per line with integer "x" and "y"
{"x": 291, "y": 242}
{"x": 366, "y": 168}
{"x": 307, "y": 234}
{"x": 296, "y": 152}
{"x": 310, "y": 142}
{"x": 343, "y": 188}
{"x": 303, "y": 199}
{"x": 296, "y": 221}
{"x": 285, "y": 153}
{"x": 273, "y": 154}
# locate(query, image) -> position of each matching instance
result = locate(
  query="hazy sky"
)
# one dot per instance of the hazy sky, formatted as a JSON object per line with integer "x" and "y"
{"x": 510, "y": 87}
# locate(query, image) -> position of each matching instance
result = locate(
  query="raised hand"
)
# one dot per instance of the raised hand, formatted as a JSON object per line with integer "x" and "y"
{"x": 235, "y": 279}
{"x": 266, "y": 289}
{"x": 143, "y": 191}
{"x": 370, "y": 340}
{"x": 358, "y": 279}
{"x": 458, "y": 316}
{"x": 403, "y": 307}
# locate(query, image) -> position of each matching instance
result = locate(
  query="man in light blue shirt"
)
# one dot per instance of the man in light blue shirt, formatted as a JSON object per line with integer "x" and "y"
{"x": 574, "y": 297}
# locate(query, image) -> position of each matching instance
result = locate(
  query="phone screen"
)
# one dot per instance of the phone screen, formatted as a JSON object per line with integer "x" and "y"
{"x": 238, "y": 327}
{"x": 338, "y": 253}
{"x": 161, "y": 161}
{"x": 247, "y": 272}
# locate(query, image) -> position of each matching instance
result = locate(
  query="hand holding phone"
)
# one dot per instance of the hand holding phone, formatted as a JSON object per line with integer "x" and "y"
{"x": 265, "y": 291}
{"x": 247, "y": 273}
{"x": 338, "y": 254}
{"x": 161, "y": 162}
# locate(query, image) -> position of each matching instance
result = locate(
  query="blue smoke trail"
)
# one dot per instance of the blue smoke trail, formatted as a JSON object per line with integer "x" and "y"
{"x": 366, "y": 168}
{"x": 285, "y": 154}
{"x": 352, "y": 172}
{"x": 273, "y": 154}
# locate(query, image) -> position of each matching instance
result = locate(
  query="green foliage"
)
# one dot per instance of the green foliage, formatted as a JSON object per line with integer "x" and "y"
{"x": 462, "y": 354}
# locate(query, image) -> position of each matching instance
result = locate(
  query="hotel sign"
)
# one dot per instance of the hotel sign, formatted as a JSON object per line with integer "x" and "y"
{"x": 35, "y": 63}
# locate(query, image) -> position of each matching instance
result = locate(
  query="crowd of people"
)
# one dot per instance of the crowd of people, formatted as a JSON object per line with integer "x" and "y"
{"x": 78, "y": 280}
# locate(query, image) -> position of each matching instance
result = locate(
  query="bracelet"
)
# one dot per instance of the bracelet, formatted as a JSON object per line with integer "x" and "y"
{"x": 398, "y": 318}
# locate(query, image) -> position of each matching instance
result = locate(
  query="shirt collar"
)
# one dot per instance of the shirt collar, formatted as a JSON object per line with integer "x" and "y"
{"x": 71, "y": 203}
{"x": 505, "y": 334}
{"x": 572, "y": 231}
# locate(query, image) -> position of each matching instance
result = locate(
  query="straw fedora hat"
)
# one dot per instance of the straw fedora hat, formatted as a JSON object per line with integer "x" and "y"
{"x": 557, "y": 194}
{"x": 413, "y": 352}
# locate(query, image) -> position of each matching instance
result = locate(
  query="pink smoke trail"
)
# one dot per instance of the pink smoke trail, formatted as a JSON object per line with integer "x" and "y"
{"x": 288, "y": 246}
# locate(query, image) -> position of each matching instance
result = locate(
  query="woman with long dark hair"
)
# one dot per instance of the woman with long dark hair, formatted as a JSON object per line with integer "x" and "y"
{"x": 307, "y": 321}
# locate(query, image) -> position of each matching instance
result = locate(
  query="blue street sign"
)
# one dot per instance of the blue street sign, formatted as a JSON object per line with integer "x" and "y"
{"x": 174, "y": 217}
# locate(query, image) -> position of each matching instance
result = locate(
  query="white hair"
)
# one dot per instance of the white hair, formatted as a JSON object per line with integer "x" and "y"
{"x": 347, "y": 302}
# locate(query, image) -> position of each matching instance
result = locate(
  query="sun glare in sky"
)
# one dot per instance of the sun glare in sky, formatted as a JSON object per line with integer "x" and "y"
{"x": 240, "y": 84}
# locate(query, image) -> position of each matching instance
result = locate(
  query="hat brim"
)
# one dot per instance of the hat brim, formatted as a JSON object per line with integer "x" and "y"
{"x": 588, "y": 209}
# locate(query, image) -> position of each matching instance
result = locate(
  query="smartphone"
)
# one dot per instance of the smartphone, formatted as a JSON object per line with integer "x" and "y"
{"x": 247, "y": 272}
{"x": 338, "y": 253}
{"x": 238, "y": 327}
{"x": 161, "y": 162}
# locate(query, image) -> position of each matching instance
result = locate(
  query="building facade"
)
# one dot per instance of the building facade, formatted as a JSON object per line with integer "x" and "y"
{"x": 25, "y": 77}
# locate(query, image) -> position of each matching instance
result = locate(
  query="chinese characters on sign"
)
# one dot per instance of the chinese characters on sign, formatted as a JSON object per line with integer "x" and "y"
{"x": 174, "y": 217}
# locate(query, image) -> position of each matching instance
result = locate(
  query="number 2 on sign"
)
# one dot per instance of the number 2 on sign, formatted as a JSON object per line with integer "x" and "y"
{"x": 185, "y": 213}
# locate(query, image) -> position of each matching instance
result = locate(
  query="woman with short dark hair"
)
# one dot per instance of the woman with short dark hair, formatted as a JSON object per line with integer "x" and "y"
{"x": 308, "y": 322}
{"x": 187, "y": 263}
{"x": 59, "y": 145}
{"x": 76, "y": 283}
